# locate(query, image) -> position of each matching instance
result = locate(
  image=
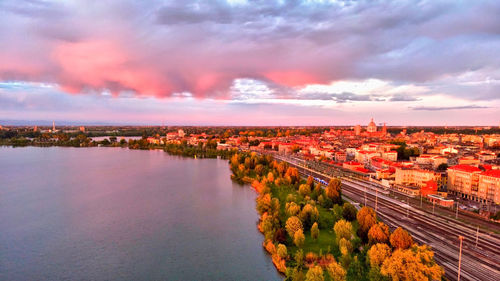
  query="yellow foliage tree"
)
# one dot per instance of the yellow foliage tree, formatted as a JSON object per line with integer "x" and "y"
{"x": 292, "y": 209}
{"x": 293, "y": 224}
{"x": 333, "y": 191}
{"x": 299, "y": 238}
{"x": 315, "y": 231}
{"x": 336, "y": 272}
{"x": 345, "y": 247}
{"x": 315, "y": 274}
{"x": 366, "y": 218}
{"x": 378, "y": 253}
{"x": 343, "y": 229}
{"x": 416, "y": 263}
{"x": 304, "y": 189}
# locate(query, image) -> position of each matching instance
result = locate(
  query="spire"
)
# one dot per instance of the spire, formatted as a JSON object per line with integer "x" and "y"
{"x": 53, "y": 126}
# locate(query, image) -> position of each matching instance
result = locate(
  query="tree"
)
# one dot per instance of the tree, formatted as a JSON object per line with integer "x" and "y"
{"x": 401, "y": 239}
{"x": 310, "y": 182}
{"x": 355, "y": 270}
{"x": 315, "y": 231}
{"x": 315, "y": 274}
{"x": 442, "y": 167}
{"x": 304, "y": 190}
{"x": 349, "y": 211}
{"x": 292, "y": 209}
{"x": 336, "y": 272}
{"x": 343, "y": 229}
{"x": 293, "y": 224}
{"x": 280, "y": 235}
{"x": 366, "y": 219}
{"x": 345, "y": 247}
{"x": 309, "y": 215}
{"x": 299, "y": 257}
{"x": 281, "y": 251}
{"x": 299, "y": 238}
{"x": 416, "y": 263}
{"x": 337, "y": 213}
{"x": 378, "y": 253}
{"x": 293, "y": 174}
{"x": 296, "y": 275}
{"x": 378, "y": 233}
{"x": 333, "y": 191}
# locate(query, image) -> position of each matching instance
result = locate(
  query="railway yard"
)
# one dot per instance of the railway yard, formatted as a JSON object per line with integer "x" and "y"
{"x": 481, "y": 249}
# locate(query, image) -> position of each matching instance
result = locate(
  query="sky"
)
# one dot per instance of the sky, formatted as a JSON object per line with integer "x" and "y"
{"x": 243, "y": 62}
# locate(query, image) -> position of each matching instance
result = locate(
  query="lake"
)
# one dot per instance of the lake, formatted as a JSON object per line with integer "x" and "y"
{"x": 120, "y": 214}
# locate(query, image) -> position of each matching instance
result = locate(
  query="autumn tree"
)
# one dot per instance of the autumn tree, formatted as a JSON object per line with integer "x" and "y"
{"x": 299, "y": 257}
{"x": 315, "y": 231}
{"x": 378, "y": 253}
{"x": 299, "y": 238}
{"x": 366, "y": 219}
{"x": 345, "y": 246}
{"x": 270, "y": 177}
{"x": 309, "y": 215}
{"x": 296, "y": 274}
{"x": 333, "y": 191}
{"x": 415, "y": 263}
{"x": 378, "y": 233}
{"x": 293, "y": 224}
{"x": 305, "y": 190}
{"x": 336, "y": 272}
{"x": 349, "y": 211}
{"x": 315, "y": 274}
{"x": 401, "y": 239}
{"x": 292, "y": 175}
{"x": 281, "y": 251}
{"x": 310, "y": 182}
{"x": 292, "y": 209}
{"x": 263, "y": 203}
{"x": 343, "y": 229}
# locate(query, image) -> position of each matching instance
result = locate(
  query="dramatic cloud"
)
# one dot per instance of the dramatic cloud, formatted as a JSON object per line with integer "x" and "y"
{"x": 289, "y": 61}
{"x": 159, "y": 48}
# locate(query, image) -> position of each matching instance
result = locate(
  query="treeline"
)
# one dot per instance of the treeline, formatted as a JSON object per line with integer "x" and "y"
{"x": 202, "y": 150}
{"x": 312, "y": 234}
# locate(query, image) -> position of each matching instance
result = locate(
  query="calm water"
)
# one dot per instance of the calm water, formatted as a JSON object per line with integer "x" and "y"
{"x": 119, "y": 214}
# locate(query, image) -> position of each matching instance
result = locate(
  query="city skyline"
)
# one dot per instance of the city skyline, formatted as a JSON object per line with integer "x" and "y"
{"x": 274, "y": 63}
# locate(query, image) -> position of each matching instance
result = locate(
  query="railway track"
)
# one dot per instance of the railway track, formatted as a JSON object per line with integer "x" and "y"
{"x": 478, "y": 263}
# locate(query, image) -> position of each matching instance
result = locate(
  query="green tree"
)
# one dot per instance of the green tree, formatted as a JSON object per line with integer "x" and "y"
{"x": 299, "y": 257}
{"x": 349, "y": 211}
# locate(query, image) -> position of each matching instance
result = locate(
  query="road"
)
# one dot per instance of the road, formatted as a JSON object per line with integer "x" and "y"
{"x": 441, "y": 233}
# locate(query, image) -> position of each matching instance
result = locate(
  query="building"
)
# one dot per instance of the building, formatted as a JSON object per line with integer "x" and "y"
{"x": 463, "y": 180}
{"x": 181, "y": 133}
{"x": 415, "y": 177}
{"x": 357, "y": 130}
{"x": 489, "y": 186}
{"x": 371, "y": 128}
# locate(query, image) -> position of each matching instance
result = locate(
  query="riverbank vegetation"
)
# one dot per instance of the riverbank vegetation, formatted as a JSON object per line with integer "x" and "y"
{"x": 312, "y": 234}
